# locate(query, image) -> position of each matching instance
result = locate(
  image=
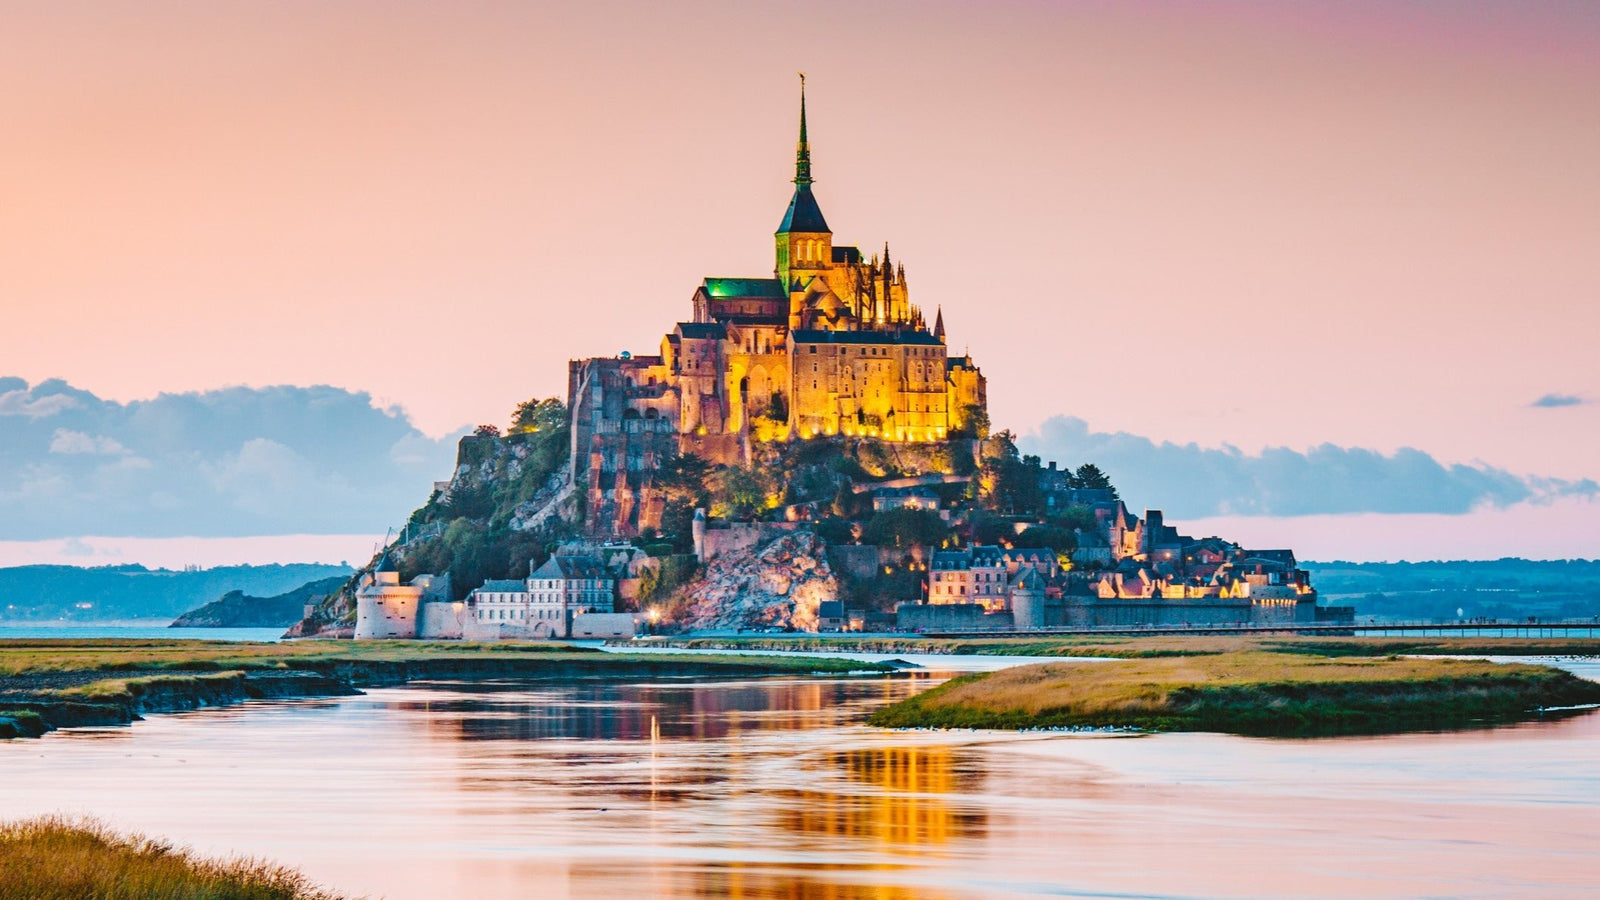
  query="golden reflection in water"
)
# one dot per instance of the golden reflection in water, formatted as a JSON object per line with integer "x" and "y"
{"x": 742, "y": 882}
{"x": 646, "y": 758}
{"x": 895, "y": 797}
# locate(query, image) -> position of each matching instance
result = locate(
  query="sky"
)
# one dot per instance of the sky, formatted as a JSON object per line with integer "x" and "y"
{"x": 1293, "y": 238}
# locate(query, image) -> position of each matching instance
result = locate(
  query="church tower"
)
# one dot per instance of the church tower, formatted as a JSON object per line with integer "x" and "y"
{"x": 804, "y": 242}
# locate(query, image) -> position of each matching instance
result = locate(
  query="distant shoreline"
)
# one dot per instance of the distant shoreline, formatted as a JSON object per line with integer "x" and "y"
{"x": 1156, "y": 645}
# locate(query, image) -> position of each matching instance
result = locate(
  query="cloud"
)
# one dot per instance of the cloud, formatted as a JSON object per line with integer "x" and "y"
{"x": 1191, "y": 481}
{"x": 226, "y": 463}
{"x": 1556, "y": 401}
{"x": 69, "y": 442}
{"x": 78, "y": 548}
{"x": 23, "y": 403}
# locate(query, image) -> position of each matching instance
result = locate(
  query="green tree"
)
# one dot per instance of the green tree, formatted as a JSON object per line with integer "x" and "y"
{"x": 539, "y": 415}
{"x": 905, "y": 528}
{"x": 1061, "y": 540}
{"x": 1089, "y": 477}
{"x": 1008, "y": 481}
{"x": 834, "y": 530}
{"x": 987, "y": 528}
{"x": 1076, "y": 517}
{"x": 739, "y": 492}
{"x": 974, "y": 423}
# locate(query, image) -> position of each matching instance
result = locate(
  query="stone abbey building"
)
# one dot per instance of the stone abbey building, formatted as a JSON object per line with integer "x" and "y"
{"x": 830, "y": 344}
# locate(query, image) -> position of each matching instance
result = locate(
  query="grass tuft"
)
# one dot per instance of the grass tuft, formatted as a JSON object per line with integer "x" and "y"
{"x": 59, "y": 859}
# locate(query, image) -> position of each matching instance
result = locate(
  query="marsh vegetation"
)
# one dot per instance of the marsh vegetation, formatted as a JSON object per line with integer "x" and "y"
{"x": 1250, "y": 693}
{"x": 59, "y": 859}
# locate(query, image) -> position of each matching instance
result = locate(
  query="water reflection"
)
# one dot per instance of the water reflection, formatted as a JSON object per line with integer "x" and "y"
{"x": 770, "y": 789}
{"x": 897, "y": 798}
{"x": 511, "y": 711}
{"x": 643, "y": 763}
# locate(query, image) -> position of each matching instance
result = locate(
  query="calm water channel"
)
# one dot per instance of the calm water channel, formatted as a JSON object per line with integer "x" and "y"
{"x": 768, "y": 789}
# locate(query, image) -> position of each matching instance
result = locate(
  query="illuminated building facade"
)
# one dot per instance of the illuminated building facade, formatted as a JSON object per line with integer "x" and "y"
{"x": 830, "y": 344}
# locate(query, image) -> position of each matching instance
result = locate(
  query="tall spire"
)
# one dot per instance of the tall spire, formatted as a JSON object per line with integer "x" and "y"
{"x": 802, "y": 156}
{"x": 938, "y": 324}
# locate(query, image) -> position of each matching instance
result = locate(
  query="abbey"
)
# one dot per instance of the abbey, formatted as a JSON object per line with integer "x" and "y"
{"x": 830, "y": 344}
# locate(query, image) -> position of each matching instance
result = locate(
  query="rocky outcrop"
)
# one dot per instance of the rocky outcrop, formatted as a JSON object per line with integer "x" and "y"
{"x": 775, "y": 584}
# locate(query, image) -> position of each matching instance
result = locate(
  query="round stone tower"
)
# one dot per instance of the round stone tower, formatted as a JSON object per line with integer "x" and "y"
{"x": 1027, "y": 600}
{"x": 698, "y": 531}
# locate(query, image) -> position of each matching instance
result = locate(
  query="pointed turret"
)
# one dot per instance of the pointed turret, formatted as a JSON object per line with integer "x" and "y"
{"x": 804, "y": 241}
{"x": 803, "y": 216}
{"x": 938, "y": 324}
{"x": 802, "y": 153}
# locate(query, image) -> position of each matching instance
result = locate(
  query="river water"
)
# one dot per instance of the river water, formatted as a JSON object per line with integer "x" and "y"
{"x": 768, "y": 788}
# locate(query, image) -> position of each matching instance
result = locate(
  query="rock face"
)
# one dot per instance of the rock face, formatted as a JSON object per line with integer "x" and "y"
{"x": 777, "y": 584}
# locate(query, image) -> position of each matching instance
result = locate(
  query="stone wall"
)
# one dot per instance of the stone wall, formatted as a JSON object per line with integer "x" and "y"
{"x": 855, "y": 560}
{"x": 949, "y": 617}
{"x": 604, "y": 625}
{"x": 442, "y": 621}
{"x": 735, "y": 538}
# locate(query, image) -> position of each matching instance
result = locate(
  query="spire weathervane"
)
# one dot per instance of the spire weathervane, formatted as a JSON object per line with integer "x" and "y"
{"x": 802, "y": 159}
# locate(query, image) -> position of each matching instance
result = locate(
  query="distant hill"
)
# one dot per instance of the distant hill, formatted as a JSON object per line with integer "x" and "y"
{"x": 114, "y": 593}
{"x": 1496, "y": 589}
{"x": 236, "y": 609}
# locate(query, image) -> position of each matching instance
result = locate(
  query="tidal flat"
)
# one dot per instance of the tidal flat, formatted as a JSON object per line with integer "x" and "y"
{"x": 1254, "y": 693}
{"x": 59, "y": 683}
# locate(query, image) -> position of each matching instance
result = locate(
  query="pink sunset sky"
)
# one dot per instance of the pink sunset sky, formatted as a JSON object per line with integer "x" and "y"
{"x": 1252, "y": 224}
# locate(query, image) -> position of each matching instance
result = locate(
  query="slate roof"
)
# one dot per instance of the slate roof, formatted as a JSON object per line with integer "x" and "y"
{"x": 505, "y": 586}
{"x": 1029, "y": 580}
{"x": 881, "y": 338}
{"x": 988, "y": 555}
{"x": 803, "y": 215}
{"x": 952, "y": 560}
{"x": 1283, "y": 558}
{"x": 708, "y": 331}
{"x": 572, "y": 567}
{"x": 765, "y": 288}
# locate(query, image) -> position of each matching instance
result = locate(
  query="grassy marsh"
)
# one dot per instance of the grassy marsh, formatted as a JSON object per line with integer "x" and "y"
{"x": 58, "y": 859}
{"x": 1251, "y": 692}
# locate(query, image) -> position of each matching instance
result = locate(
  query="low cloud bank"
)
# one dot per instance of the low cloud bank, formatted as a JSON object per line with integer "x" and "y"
{"x": 223, "y": 463}
{"x": 1190, "y": 481}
